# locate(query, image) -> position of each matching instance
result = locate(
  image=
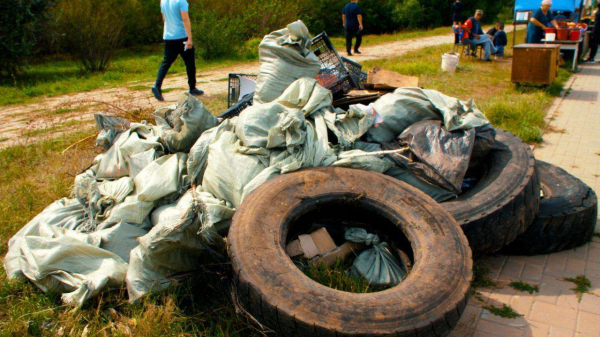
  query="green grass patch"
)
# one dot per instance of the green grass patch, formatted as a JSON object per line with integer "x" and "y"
{"x": 337, "y": 277}
{"x": 481, "y": 278}
{"x": 522, "y": 286}
{"x": 506, "y": 311}
{"x": 3, "y": 139}
{"x": 520, "y": 110}
{"x": 582, "y": 285}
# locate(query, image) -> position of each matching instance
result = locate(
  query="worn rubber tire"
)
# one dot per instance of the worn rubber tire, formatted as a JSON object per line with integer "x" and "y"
{"x": 505, "y": 200}
{"x": 268, "y": 286}
{"x": 567, "y": 216}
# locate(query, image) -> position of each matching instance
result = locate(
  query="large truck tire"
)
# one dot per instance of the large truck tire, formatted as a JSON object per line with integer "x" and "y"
{"x": 269, "y": 286}
{"x": 567, "y": 217}
{"x": 505, "y": 200}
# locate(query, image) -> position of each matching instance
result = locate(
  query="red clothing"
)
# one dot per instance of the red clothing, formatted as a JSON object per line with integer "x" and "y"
{"x": 467, "y": 27}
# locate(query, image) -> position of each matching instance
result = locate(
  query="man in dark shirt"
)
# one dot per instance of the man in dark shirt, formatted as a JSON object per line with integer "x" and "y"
{"x": 352, "y": 19}
{"x": 498, "y": 35}
{"x": 595, "y": 40}
{"x": 457, "y": 8}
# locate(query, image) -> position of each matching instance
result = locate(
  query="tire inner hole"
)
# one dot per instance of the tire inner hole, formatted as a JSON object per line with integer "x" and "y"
{"x": 335, "y": 215}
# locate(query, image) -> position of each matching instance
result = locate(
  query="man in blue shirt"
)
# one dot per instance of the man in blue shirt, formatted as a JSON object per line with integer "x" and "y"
{"x": 177, "y": 35}
{"x": 352, "y": 19}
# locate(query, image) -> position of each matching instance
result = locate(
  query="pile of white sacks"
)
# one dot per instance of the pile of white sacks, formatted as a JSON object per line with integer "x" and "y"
{"x": 159, "y": 202}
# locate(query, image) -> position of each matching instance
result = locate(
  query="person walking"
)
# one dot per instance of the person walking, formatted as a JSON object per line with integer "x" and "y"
{"x": 595, "y": 38}
{"x": 352, "y": 19}
{"x": 177, "y": 35}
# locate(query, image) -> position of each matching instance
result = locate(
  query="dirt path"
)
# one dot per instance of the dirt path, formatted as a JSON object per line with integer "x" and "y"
{"x": 56, "y": 115}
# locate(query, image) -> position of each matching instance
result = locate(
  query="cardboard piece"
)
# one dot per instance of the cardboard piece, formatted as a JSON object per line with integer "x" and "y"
{"x": 317, "y": 243}
{"x": 340, "y": 253}
{"x": 381, "y": 79}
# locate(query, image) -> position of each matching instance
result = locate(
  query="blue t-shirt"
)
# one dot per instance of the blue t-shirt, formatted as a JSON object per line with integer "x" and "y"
{"x": 174, "y": 28}
{"x": 351, "y": 11}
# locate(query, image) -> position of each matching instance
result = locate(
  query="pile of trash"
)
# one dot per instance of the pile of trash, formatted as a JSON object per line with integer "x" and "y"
{"x": 160, "y": 201}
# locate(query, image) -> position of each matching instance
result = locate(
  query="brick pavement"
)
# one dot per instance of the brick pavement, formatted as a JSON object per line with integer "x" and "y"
{"x": 572, "y": 142}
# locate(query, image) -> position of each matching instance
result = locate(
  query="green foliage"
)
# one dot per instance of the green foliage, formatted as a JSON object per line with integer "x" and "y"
{"x": 480, "y": 277}
{"x": 582, "y": 285}
{"x": 93, "y": 29}
{"x": 522, "y": 286}
{"x": 506, "y": 311}
{"x": 215, "y": 36}
{"x": 21, "y": 21}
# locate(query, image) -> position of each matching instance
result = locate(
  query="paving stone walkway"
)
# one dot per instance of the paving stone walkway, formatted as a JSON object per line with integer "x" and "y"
{"x": 572, "y": 142}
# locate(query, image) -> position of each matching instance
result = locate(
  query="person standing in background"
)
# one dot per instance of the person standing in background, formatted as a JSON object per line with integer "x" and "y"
{"x": 352, "y": 19}
{"x": 457, "y": 8}
{"x": 595, "y": 38}
{"x": 177, "y": 35}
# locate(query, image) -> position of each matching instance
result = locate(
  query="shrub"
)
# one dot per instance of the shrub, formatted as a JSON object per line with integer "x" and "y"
{"x": 215, "y": 35}
{"x": 20, "y": 24}
{"x": 92, "y": 29}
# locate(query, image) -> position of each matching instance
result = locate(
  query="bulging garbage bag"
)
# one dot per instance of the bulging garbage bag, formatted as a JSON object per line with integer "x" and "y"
{"x": 63, "y": 213}
{"x": 350, "y": 125}
{"x": 377, "y": 265}
{"x": 139, "y": 138}
{"x": 183, "y": 123}
{"x": 407, "y": 106}
{"x": 178, "y": 243}
{"x": 110, "y": 127}
{"x": 285, "y": 56}
{"x": 198, "y": 156}
{"x": 69, "y": 262}
{"x": 445, "y": 155}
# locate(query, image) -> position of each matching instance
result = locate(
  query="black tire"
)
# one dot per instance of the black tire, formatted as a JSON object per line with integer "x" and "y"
{"x": 567, "y": 216}
{"x": 268, "y": 286}
{"x": 505, "y": 200}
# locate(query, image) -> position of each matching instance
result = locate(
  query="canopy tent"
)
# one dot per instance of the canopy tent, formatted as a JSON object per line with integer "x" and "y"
{"x": 557, "y": 5}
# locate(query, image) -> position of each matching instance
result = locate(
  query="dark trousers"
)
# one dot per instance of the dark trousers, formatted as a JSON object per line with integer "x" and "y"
{"x": 350, "y": 33}
{"x": 594, "y": 41}
{"x": 173, "y": 48}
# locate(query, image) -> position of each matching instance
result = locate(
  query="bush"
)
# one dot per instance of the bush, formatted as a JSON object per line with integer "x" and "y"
{"x": 21, "y": 21}
{"x": 92, "y": 29}
{"x": 215, "y": 35}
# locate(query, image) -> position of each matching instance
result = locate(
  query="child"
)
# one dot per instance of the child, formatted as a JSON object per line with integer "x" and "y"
{"x": 500, "y": 40}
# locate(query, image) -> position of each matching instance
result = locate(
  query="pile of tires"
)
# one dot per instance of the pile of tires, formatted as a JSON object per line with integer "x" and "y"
{"x": 518, "y": 206}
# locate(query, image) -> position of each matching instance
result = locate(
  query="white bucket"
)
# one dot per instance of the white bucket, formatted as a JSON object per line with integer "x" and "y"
{"x": 450, "y": 62}
{"x": 550, "y": 37}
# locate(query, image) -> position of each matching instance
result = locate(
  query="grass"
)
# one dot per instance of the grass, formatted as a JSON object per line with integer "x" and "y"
{"x": 525, "y": 287}
{"x": 147, "y": 88}
{"x": 62, "y": 75}
{"x": 506, "y": 311}
{"x": 520, "y": 110}
{"x": 582, "y": 285}
{"x": 481, "y": 278}
{"x": 338, "y": 277}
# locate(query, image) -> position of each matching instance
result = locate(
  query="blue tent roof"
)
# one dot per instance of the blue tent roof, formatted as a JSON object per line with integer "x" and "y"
{"x": 557, "y": 5}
